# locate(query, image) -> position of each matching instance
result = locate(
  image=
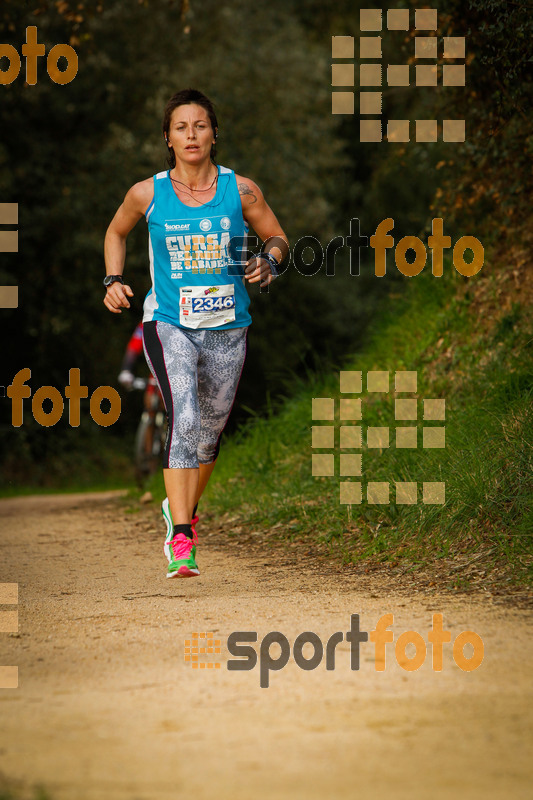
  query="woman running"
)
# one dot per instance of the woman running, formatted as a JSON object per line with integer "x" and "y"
{"x": 196, "y": 316}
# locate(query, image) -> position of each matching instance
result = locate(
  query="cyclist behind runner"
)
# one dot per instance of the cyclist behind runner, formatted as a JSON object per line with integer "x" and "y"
{"x": 152, "y": 398}
{"x": 196, "y": 315}
{"x": 150, "y": 436}
{"x": 134, "y": 349}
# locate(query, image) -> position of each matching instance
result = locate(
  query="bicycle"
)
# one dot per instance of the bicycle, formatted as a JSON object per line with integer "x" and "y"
{"x": 151, "y": 432}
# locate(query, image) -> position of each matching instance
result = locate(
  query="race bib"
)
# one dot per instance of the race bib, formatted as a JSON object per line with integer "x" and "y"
{"x": 207, "y": 306}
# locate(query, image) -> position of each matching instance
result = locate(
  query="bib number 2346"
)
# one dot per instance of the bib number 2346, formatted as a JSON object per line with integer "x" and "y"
{"x": 207, "y": 306}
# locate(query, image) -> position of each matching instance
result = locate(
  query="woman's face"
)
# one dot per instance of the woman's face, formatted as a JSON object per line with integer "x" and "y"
{"x": 190, "y": 134}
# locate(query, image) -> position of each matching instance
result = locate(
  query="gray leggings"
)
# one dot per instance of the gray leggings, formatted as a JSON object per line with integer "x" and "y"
{"x": 198, "y": 372}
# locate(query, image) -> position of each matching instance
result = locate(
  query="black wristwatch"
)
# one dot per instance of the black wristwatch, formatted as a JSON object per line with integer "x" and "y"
{"x": 274, "y": 263}
{"x": 109, "y": 279}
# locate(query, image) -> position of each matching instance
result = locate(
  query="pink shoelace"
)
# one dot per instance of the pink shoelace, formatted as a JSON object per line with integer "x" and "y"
{"x": 181, "y": 546}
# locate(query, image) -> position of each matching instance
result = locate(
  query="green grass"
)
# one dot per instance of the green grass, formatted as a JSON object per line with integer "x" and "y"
{"x": 264, "y": 473}
{"x": 73, "y": 460}
{"x": 71, "y": 487}
{"x": 38, "y": 793}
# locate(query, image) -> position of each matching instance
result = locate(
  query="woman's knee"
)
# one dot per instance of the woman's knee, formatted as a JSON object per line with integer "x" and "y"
{"x": 208, "y": 452}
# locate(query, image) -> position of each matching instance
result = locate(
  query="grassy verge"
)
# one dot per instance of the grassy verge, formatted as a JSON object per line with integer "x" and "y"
{"x": 16, "y": 791}
{"x": 73, "y": 460}
{"x": 482, "y": 368}
{"x": 71, "y": 487}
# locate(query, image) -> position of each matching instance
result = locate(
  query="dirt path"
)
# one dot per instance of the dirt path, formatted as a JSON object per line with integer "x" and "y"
{"x": 108, "y": 709}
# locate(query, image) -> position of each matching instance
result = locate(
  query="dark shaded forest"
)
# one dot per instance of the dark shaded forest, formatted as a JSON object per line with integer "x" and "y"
{"x": 69, "y": 153}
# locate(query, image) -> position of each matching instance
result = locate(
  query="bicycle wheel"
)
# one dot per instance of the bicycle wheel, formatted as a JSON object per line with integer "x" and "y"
{"x": 147, "y": 448}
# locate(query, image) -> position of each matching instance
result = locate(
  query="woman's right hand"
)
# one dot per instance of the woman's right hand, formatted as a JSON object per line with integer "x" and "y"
{"x": 129, "y": 213}
{"x": 117, "y": 297}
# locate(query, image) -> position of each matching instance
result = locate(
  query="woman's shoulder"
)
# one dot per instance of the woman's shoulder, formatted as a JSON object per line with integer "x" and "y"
{"x": 248, "y": 189}
{"x": 141, "y": 195}
{"x": 247, "y": 181}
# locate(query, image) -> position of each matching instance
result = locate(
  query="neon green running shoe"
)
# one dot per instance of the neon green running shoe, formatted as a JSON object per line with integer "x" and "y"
{"x": 182, "y": 554}
{"x": 167, "y": 516}
{"x": 179, "y": 550}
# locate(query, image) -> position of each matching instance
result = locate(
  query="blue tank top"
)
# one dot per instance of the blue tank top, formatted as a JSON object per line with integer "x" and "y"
{"x": 197, "y": 277}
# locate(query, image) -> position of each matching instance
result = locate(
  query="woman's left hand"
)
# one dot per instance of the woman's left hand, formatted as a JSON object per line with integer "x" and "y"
{"x": 258, "y": 269}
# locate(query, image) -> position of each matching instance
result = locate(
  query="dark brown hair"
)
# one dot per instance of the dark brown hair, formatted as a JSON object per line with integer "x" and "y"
{"x": 184, "y": 98}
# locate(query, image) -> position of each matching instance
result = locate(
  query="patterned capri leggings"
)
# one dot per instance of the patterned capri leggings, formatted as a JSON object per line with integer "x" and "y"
{"x": 198, "y": 372}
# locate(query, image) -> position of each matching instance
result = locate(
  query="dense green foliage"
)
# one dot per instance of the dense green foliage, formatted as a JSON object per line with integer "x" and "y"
{"x": 69, "y": 153}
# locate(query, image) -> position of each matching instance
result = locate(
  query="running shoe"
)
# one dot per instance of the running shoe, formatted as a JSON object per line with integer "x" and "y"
{"x": 179, "y": 550}
{"x": 167, "y": 516}
{"x": 182, "y": 552}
